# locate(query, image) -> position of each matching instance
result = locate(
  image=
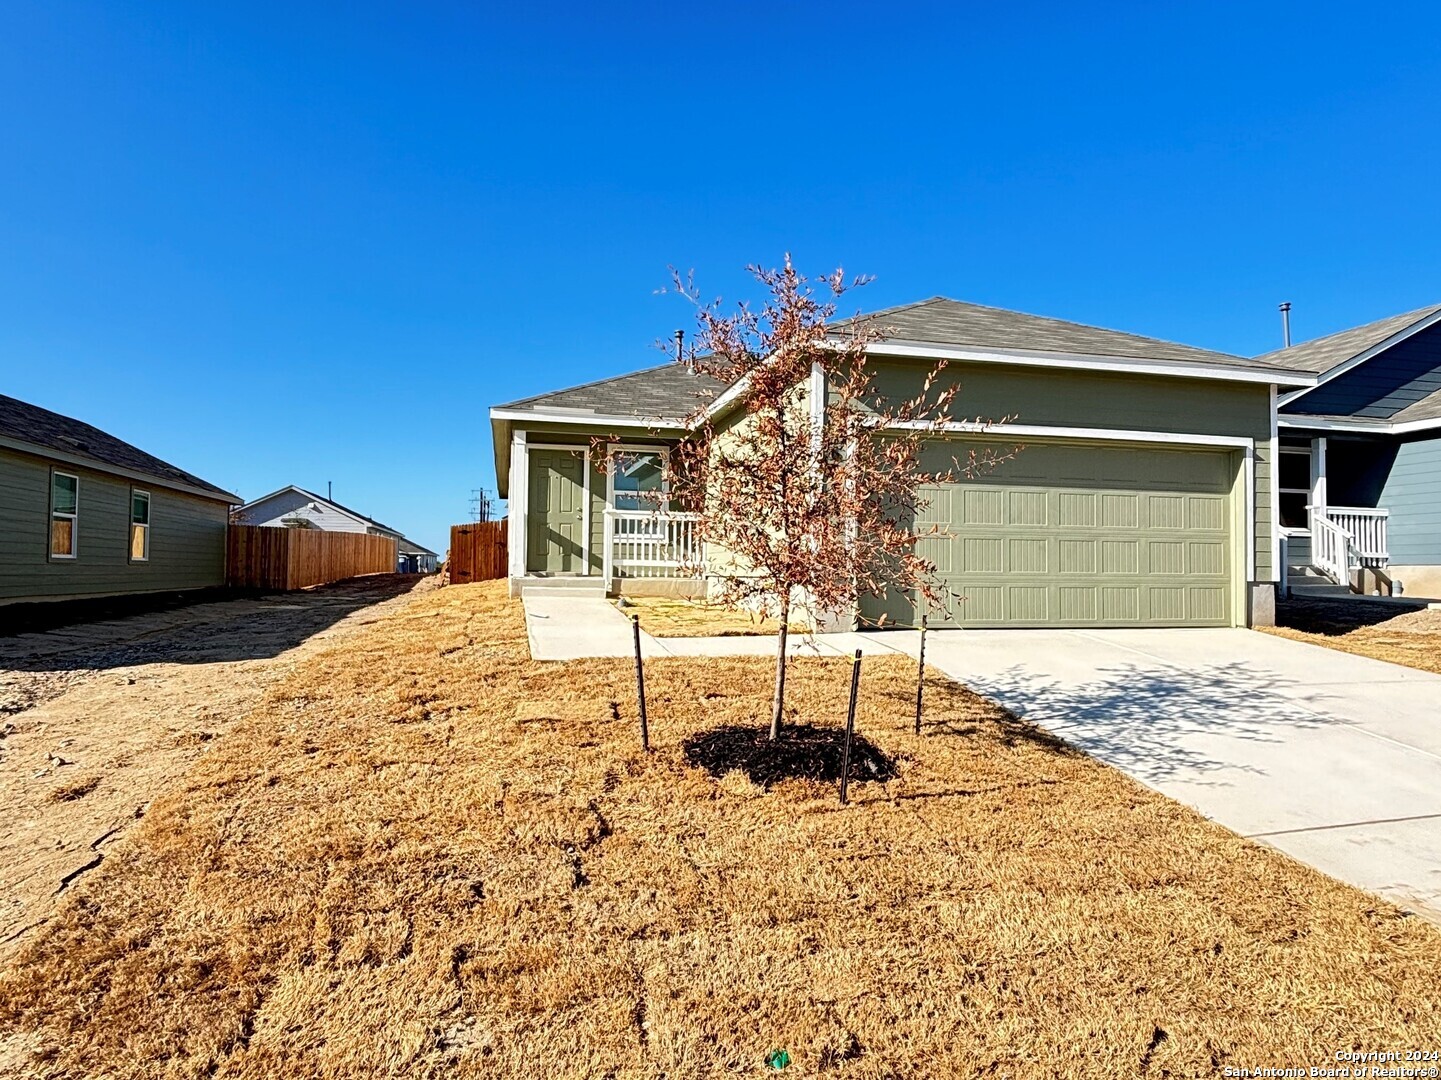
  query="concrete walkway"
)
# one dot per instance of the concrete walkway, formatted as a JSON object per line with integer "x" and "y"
{"x": 1334, "y": 759}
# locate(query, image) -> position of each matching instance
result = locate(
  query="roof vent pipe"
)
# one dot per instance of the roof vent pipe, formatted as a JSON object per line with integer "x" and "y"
{"x": 1286, "y": 324}
{"x": 679, "y": 340}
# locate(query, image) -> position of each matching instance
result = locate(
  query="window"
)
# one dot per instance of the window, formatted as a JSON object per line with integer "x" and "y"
{"x": 638, "y": 477}
{"x": 139, "y": 525}
{"x": 64, "y": 512}
{"x": 1294, "y": 473}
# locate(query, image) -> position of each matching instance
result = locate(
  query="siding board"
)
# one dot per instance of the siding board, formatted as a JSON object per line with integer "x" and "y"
{"x": 187, "y": 536}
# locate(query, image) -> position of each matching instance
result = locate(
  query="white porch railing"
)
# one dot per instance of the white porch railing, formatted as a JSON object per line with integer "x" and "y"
{"x": 1346, "y": 538}
{"x": 1367, "y": 526}
{"x": 651, "y": 544}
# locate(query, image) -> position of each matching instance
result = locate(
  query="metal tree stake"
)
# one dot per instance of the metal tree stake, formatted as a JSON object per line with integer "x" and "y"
{"x": 640, "y": 684}
{"x": 921, "y": 674}
{"x": 850, "y": 726}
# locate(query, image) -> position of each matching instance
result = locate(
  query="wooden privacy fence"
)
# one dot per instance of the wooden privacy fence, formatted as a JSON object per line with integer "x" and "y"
{"x": 478, "y": 551}
{"x": 266, "y": 557}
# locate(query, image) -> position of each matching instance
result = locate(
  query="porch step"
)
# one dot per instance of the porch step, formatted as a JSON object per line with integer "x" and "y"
{"x": 1320, "y": 588}
{"x": 563, "y": 586}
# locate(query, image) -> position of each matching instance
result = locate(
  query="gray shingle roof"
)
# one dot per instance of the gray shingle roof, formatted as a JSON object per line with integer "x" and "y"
{"x": 672, "y": 391}
{"x": 48, "y": 430}
{"x": 1428, "y": 408}
{"x": 942, "y": 321}
{"x": 668, "y": 392}
{"x": 1322, "y": 354}
{"x": 405, "y": 546}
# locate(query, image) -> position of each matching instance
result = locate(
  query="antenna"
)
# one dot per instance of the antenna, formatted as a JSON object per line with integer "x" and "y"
{"x": 1286, "y": 324}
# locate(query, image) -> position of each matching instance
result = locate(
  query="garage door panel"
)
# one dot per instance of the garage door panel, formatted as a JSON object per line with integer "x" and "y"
{"x": 1086, "y": 536}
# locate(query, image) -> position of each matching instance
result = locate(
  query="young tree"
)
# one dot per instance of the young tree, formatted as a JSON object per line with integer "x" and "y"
{"x": 807, "y": 483}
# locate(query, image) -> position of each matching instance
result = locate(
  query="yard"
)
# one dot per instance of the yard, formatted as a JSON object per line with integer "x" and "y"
{"x": 423, "y": 853}
{"x": 1409, "y": 634}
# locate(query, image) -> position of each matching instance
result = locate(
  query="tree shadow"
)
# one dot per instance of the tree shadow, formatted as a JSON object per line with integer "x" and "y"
{"x": 1333, "y": 618}
{"x": 1156, "y": 723}
{"x": 216, "y": 627}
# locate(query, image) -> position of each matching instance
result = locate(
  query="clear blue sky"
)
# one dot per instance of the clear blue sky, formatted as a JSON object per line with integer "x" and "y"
{"x": 286, "y": 243}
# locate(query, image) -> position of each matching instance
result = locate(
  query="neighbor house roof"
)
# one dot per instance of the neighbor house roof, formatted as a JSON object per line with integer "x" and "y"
{"x": 410, "y": 547}
{"x": 1322, "y": 354}
{"x": 347, "y": 511}
{"x": 77, "y": 442}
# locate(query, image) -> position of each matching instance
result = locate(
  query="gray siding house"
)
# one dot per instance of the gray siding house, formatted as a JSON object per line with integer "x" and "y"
{"x": 88, "y": 515}
{"x": 295, "y": 508}
{"x": 1360, "y": 452}
{"x": 1146, "y": 495}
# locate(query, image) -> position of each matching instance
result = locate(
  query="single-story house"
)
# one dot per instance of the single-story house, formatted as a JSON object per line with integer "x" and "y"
{"x": 296, "y": 508}
{"x": 89, "y": 515}
{"x": 414, "y": 559}
{"x": 1145, "y": 496}
{"x": 1360, "y": 455}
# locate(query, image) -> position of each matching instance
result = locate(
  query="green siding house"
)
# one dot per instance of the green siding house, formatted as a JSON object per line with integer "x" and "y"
{"x": 88, "y": 515}
{"x": 1146, "y": 494}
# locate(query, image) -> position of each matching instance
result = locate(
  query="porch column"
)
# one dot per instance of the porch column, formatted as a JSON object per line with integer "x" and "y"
{"x": 1318, "y": 474}
{"x": 516, "y": 505}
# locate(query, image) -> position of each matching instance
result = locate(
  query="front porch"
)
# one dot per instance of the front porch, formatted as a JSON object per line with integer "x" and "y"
{"x": 1324, "y": 546}
{"x": 593, "y": 523}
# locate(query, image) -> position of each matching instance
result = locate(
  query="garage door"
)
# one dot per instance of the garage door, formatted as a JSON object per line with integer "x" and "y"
{"x": 1073, "y": 534}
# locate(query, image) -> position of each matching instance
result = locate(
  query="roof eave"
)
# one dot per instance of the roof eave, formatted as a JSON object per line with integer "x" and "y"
{"x": 85, "y": 462}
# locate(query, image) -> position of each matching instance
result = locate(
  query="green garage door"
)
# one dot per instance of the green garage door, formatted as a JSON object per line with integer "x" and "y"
{"x": 1080, "y": 535}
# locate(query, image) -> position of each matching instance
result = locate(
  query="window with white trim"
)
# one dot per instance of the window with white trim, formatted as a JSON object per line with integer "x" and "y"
{"x": 1294, "y": 489}
{"x": 638, "y": 480}
{"x": 64, "y": 514}
{"x": 139, "y": 525}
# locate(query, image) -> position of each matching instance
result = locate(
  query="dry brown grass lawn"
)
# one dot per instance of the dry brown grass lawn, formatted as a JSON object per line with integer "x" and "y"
{"x": 427, "y": 855}
{"x": 669, "y": 617}
{"x": 1367, "y": 628}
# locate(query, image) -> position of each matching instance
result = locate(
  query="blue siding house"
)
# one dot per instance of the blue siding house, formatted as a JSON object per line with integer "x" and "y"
{"x": 1359, "y": 482}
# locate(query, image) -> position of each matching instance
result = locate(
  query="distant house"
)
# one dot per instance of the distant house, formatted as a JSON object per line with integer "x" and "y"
{"x": 88, "y": 515}
{"x": 296, "y": 508}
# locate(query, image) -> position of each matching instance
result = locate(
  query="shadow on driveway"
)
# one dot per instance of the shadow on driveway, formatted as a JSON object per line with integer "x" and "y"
{"x": 1155, "y": 722}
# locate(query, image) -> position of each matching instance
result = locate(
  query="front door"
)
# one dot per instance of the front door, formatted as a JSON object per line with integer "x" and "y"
{"x": 555, "y": 515}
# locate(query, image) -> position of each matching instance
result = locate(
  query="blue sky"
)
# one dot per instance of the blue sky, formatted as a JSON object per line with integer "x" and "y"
{"x": 291, "y": 243}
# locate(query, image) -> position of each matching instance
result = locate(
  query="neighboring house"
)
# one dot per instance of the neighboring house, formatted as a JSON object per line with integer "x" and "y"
{"x": 295, "y": 508}
{"x": 1145, "y": 496}
{"x": 89, "y": 515}
{"x": 414, "y": 559}
{"x": 1360, "y": 476}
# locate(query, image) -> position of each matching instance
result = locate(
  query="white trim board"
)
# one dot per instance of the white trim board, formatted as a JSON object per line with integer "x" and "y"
{"x": 1042, "y": 431}
{"x": 576, "y": 417}
{"x": 1359, "y": 425}
{"x": 1361, "y": 357}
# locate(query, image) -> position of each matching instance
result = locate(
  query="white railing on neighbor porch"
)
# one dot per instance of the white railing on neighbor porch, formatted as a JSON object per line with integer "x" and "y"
{"x": 1346, "y": 538}
{"x": 650, "y": 544}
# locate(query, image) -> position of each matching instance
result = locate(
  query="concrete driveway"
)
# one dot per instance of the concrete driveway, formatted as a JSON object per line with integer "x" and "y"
{"x": 1333, "y": 758}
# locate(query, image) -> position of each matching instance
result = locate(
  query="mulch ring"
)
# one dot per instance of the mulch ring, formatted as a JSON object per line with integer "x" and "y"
{"x": 802, "y": 752}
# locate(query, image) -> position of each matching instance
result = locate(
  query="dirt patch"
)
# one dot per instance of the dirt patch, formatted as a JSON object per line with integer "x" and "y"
{"x": 803, "y": 752}
{"x": 98, "y": 718}
{"x": 665, "y": 617}
{"x": 1390, "y": 632}
{"x": 392, "y": 867}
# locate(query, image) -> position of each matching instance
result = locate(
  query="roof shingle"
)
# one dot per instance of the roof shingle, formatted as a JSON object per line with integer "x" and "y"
{"x": 1324, "y": 353}
{"x": 23, "y": 422}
